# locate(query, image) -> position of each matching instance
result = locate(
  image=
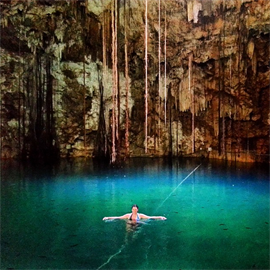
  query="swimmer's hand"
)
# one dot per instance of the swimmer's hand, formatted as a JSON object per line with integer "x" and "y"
{"x": 105, "y": 218}
{"x": 163, "y": 218}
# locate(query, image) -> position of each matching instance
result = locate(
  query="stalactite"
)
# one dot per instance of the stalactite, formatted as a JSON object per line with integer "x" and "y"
{"x": 4, "y": 21}
{"x": 191, "y": 93}
{"x": 84, "y": 109}
{"x": 40, "y": 100}
{"x": 170, "y": 123}
{"x": 41, "y": 133}
{"x": 28, "y": 117}
{"x": 193, "y": 9}
{"x": 146, "y": 74}
{"x": 180, "y": 96}
{"x": 38, "y": 123}
{"x": 35, "y": 96}
{"x": 223, "y": 134}
{"x": 237, "y": 95}
{"x": 177, "y": 138}
{"x": 50, "y": 125}
{"x": 101, "y": 152}
{"x": 31, "y": 104}
{"x": 223, "y": 129}
{"x": 24, "y": 152}
{"x": 19, "y": 109}
{"x": 115, "y": 123}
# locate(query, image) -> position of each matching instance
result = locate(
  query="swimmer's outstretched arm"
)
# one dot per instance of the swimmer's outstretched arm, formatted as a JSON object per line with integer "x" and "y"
{"x": 152, "y": 217}
{"x": 119, "y": 217}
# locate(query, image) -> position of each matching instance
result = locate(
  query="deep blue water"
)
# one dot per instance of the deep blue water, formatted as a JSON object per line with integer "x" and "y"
{"x": 217, "y": 215}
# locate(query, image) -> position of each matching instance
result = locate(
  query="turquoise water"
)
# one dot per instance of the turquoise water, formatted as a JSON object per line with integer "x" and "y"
{"x": 217, "y": 215}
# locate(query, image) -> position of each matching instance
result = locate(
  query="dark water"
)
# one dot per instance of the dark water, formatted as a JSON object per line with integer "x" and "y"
{"x": 217, "y": 216}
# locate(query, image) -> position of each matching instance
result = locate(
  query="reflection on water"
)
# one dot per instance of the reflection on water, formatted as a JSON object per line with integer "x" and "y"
{"x": 132, "y": 226}
{"x": 132, "y": 230}
{"x": 51, "y": 216}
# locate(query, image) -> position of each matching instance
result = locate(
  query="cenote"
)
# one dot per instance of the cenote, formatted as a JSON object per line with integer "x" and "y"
{"x": 217, "y": 215}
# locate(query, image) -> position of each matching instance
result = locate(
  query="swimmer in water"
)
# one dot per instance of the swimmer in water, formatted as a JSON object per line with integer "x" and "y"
{"x": 135, "y": 216}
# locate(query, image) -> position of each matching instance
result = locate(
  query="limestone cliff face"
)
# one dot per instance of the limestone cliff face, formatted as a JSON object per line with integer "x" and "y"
{"x": 73, "y": 78}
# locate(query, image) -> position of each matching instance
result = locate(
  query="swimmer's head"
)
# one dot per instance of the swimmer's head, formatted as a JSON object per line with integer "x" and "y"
{"x": 135, "y": 207}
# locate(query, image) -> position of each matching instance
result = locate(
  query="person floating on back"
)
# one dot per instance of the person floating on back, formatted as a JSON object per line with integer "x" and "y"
{"x": 135, "y": 216}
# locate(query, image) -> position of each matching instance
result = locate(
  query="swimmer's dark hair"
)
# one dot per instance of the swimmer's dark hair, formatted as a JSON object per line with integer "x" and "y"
{"x": 135, "y": 205}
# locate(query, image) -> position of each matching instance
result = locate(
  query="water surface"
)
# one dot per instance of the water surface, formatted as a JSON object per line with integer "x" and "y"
{"x": 217, "y": 215}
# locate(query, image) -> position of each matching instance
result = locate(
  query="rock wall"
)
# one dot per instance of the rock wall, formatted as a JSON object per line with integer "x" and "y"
{"x": 66, "y": 89}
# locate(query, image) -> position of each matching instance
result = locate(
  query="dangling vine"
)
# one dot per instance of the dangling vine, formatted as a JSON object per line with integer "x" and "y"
{"x": 146, "y": 75}
{"x": 127, "y": 84}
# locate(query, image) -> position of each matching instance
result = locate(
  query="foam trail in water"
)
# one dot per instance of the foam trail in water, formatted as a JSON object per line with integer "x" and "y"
{"x": 178, "y": 186}
{"x": 123, "y": 246}
{"x": 115, "y": 254}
